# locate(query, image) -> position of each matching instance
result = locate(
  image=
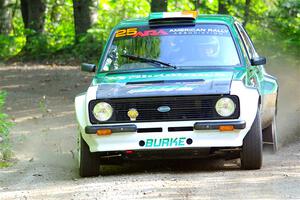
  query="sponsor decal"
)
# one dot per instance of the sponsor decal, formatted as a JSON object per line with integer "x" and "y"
{"x": 133, "y": 32}
{"x": 217, "y": 30}
{"x": 199, "y": 31}
{"x": 150, "y": 33}
{"x": 126, "y": 32}
{"x": 208, "y": 75}
{"x": 160, "y": 89}
{"x": 166, "y": 142}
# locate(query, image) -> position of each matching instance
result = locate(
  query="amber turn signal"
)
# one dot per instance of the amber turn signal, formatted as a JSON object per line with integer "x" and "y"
{"x": 226, "y": 128}
{"x": 104, "y": 132}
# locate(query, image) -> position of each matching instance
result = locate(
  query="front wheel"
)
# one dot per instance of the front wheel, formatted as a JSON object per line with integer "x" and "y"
{"x": 88, "y": 162}
{"x": 251, "y": 154}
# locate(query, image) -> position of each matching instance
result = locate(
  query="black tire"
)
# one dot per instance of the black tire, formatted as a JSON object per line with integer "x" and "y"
{"x": 89, "y": 164}
{"x": 251, "y": 154}
{"x": 270, "y": 137}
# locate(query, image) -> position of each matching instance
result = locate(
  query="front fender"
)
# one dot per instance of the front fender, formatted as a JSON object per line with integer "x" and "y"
{"x": 80, "y": 109}
{"x": 249, "y": 103}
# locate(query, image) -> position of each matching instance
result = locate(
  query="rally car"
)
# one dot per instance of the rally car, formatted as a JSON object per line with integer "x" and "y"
{"x": 177, "y": 86}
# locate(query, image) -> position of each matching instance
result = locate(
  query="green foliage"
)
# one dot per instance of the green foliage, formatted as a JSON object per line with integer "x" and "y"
{"x": 278, "y": 28}
{"x": 286, "y": 21}
{"x": 43, "y": 105}
{"x": 4, "y": 164}
{"x": 4, "y": 130}
{"x": 176, "y": 5}
{"x": 91, "y": 44}
{"x": 13, "y": 43}
{"x": 10, "y": 46}
{"x": 59, "y": 28}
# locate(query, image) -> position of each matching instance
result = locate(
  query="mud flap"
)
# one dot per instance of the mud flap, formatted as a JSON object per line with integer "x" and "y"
{"x": 270, "y": 137}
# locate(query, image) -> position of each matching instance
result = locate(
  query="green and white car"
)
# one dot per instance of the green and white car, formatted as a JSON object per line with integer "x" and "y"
{"x": 177, "y": 86}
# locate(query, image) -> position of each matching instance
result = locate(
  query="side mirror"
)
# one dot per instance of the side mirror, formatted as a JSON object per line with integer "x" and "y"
{"x": 258, "y": 61}
{"x": 88, "y": 67}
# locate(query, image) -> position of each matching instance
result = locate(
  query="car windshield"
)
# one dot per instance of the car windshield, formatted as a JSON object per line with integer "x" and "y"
{"x": 138, "y": 48}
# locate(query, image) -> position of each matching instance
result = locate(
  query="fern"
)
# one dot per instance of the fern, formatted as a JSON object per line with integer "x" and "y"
{"x": 4, "y": 129}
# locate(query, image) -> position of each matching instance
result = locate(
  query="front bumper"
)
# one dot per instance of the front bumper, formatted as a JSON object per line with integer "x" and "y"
{"x": 214, "y": 125}
{"x": 166, "y": 135}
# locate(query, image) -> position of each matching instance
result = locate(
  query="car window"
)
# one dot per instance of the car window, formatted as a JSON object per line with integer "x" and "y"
{"x": 247, "y": 42}
{"x": 182, "y": 46}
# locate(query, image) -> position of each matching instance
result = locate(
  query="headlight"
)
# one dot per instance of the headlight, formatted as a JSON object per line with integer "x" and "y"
{"x": 225, "y": 107}
{"x": 102, "y": 111}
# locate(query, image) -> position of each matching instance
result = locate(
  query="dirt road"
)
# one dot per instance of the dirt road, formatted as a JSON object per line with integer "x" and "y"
{"x": 40, "y": 102}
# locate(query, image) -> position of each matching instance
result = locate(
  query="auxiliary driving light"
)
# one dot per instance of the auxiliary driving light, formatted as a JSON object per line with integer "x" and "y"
{"x": 132, "y": 114}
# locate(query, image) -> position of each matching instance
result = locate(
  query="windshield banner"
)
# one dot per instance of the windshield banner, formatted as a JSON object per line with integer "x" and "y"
{"x": 218, "y": 30}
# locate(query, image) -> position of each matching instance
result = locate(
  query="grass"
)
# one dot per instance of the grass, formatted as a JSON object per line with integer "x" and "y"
{"x": 4, "y": 164}
{"x": 5, "y": 152}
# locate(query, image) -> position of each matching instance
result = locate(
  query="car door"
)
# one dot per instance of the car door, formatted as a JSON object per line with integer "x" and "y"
{"x": 258, "y": 77}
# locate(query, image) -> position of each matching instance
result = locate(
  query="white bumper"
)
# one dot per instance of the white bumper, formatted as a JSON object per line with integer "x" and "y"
{"x": 248, "y": 97}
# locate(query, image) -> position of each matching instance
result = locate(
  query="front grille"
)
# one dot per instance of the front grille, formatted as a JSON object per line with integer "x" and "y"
{"x": 183, "y": 108}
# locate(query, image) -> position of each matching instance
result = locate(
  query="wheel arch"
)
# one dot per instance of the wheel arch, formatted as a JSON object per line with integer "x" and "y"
{"x": 269, "y": 99}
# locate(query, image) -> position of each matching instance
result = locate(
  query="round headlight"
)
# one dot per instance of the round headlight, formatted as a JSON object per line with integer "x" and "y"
{"x": 225, "y": 107}
{"x": 102, "y": 111}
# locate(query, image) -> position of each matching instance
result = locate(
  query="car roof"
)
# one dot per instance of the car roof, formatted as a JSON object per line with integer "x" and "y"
{"x": 203, "y": 18}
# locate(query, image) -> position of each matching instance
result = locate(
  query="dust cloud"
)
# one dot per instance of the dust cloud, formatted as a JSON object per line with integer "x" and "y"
{"x": 287, "y": 69}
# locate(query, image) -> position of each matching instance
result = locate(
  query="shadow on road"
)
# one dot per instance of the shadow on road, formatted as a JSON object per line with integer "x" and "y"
{"x": 170, "y": 166}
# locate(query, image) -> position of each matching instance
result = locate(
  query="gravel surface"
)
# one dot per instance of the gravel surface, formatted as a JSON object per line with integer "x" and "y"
{"x": 40, "y": 102}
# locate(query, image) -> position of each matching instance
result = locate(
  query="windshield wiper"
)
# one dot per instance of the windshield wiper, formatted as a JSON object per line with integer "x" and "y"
{"x": 149, "y": 60}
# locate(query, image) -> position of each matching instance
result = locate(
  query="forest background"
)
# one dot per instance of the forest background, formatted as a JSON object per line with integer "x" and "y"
{"x": 73, "y": 31}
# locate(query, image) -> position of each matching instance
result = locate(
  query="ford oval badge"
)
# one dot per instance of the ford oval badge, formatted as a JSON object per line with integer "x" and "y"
{"x": 164, "y": 109}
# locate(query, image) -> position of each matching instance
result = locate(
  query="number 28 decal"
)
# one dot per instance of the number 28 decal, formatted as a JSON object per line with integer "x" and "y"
{"x": 126, "y": 32}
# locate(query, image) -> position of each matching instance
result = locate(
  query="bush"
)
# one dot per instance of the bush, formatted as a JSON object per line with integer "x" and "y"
{"x": 5, "y": 152}
{"x": 10, "y": 46}
{"x": 278, "y": 28}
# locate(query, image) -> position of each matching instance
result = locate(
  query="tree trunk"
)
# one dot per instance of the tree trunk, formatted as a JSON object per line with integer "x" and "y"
{"x": 33, "y": 14}
{"x": 222, "y": 9}
{"x": 159, "y": 6}
{"x": 196, "y": 4}
{"x": 247, "y": 10}
{"x": 5, "y": 16}
{"x": 85, "y": 15}
{"x": 24, "y": 12}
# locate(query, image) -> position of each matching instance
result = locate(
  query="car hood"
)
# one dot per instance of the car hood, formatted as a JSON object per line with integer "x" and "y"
{"x": 163, "y": 83}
